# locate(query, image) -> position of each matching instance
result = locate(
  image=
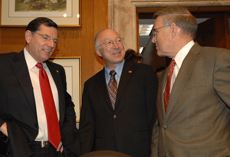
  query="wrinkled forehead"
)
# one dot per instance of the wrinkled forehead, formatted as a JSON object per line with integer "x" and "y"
{"x": 51, "y": 31}
{"x": 158, "y": 22}
{"x": 108, "y": 34}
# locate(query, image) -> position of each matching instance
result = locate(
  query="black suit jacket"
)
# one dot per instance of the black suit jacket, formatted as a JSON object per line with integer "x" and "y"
{"x": 18, "y": 110}
{"x": 128, "y": 128}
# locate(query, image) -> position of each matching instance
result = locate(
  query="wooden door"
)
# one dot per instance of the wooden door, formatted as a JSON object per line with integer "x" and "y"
{"x": 214, "y": 32}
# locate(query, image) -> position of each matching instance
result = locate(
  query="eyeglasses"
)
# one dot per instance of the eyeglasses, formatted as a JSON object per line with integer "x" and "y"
{"x": 111, "y": 42}
{"x": 155, "y": 30}
{"x": 45, "y": 37}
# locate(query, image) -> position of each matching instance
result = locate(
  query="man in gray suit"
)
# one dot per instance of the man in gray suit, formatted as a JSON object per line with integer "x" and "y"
{"x": 197, "y": 119}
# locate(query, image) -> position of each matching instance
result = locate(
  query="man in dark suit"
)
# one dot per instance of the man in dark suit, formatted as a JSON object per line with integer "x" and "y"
{"x": 195, "y": 120}
{"x": 127, "y": 125}
{"x": 23, "y": 117}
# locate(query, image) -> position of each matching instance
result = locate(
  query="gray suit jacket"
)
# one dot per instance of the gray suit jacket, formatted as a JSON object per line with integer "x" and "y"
{"x": 197, "y": 122}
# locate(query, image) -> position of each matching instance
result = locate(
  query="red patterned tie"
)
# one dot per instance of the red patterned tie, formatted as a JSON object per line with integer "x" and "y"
{"x": 168, "y": 85}
{"x": 112, "y": 88}
{"x": 50, "y": 110}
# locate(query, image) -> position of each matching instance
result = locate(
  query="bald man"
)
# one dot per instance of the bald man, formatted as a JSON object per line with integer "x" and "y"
{"x": 123, "y": 123}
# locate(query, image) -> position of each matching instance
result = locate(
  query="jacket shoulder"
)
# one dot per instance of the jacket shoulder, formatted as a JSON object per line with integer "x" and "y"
{"x": 96, "y": 76}
{"x": 8, "y": 55}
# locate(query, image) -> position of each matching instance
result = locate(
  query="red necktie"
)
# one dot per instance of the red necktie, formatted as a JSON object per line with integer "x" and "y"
{"x": 112, "y": 88}
{"x": 168, "y": 85}
{"x": 50, "y": 110}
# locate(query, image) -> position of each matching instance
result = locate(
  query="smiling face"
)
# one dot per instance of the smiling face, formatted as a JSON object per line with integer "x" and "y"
{"x": 110, "y": 47}
{"x": 41, "y": 44}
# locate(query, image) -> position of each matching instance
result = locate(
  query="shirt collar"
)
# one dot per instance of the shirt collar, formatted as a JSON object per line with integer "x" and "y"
{"x": 30, "y": 61}
{"x": 118, "y": 70}
{"x": 179, "y": 58}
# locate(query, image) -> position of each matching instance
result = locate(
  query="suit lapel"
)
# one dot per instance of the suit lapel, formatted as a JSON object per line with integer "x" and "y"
{"x": 125, "y": 77}
{"x": 20, "y": 69}
{"x": 161, "y": 92}
{"x": 183, "y": 76}
{"x": 124, "y": 80}
{"x": 101, "y": 82}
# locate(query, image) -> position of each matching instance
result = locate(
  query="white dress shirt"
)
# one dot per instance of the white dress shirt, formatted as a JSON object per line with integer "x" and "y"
{"x": 179, "y": 58}
{"x": 118, "y": 71}
{"x": 34, "y": 76}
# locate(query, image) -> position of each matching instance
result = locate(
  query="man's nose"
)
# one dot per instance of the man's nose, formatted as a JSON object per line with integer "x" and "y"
{"x": 154, "y": 39}
{"x": 52, "y": 43}
{"x": 115, "y": 44}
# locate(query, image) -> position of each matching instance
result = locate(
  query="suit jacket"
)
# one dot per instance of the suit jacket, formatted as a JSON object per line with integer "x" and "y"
{"x": 128, "y": 128}
{"x": 197, "y": 121}
{"x": 18, "y": 110}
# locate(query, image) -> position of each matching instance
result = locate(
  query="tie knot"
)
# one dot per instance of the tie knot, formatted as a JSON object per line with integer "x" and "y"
{"x": 39, "y": 65}
{"x": 112, "y": 72}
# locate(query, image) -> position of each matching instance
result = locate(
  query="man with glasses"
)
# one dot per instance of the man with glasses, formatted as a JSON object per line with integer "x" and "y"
{"x": 118, "y": 103}
{"x": 37, "y": 116}
{"x": 194, "y": 91}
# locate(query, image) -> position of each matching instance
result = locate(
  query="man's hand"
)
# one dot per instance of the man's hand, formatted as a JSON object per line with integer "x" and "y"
{"x": 60, "y": 147}
{"x": 3, "y": 129}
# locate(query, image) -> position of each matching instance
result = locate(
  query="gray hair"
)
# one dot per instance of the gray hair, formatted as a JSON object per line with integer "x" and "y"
{"x": 181, "y": 17}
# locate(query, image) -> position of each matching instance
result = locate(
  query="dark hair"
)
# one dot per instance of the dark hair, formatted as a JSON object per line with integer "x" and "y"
{"x": 34, "y": 25}
{"x": 131, "y": 55}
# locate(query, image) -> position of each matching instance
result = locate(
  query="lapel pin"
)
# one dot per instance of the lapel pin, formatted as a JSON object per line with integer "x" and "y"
{"x": 57, "y": 71}
{"x": 130, "y": 71}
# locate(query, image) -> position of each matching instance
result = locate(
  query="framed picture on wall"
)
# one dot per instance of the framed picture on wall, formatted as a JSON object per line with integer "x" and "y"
{"x": 73, "y": 79}
{"x": 66, "y": 13}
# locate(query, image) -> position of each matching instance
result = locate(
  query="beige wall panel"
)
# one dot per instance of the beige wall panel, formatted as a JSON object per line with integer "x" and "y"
{"x": 74, "y": 41}
{"x": 100, "y": 22}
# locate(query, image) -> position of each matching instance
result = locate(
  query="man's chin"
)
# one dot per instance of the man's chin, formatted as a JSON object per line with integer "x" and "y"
{"x": 160, "y": 54}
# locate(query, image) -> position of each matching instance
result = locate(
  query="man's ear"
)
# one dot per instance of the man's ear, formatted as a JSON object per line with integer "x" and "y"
{"x": 174, "y": 30}
{"x": 28, "y": 36}
{"x": 98, "y": 52}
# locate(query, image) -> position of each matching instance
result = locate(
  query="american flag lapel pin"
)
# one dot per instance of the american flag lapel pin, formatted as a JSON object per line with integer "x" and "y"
{"x": 130, "y": 71}
{"x": 57, "y": 71}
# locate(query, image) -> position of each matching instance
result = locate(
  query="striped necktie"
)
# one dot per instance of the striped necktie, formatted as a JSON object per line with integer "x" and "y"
{"x": 112, "y": 88}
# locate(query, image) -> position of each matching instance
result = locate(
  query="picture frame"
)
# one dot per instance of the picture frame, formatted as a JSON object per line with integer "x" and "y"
{"x": 72, "y": 66}
{"x": 12, "y": 17}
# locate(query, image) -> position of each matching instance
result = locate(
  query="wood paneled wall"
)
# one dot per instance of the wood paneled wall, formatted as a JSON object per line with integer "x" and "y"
{"x": 74, "y": 41}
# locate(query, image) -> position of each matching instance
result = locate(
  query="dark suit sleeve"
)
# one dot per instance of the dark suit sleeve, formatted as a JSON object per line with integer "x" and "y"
{"x": 151, "y": 96}
{"x": 154, "y": 142}
{"x": 87, "y": 123}
{"x": 1, "y": 121}
{"x": 69, "y": 132}
{"x": 11, "y": 96}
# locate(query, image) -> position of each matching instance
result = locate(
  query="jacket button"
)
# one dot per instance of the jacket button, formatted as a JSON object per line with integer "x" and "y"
{"x": 165, "y": 127}
{"x": 114, "y": 116}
